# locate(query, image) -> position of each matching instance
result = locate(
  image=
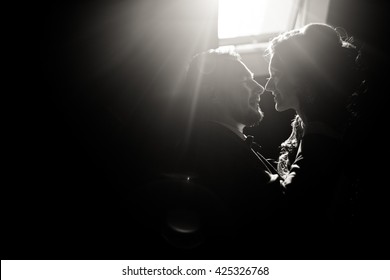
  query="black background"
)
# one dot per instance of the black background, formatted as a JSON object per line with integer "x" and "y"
{"x": 89, "y": 116}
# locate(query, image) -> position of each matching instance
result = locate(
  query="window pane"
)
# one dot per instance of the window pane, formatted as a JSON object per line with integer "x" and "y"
{"x": 237, "y": 18}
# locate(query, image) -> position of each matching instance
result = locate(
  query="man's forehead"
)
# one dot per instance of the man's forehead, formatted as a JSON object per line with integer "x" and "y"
{"x": 242, "y": 70}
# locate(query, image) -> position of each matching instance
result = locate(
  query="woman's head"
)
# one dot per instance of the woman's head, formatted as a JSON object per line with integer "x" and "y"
{"x": 312, "y": 70}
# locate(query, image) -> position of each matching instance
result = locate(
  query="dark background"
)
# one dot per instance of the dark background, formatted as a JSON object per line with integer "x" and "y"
{"x": 93, "y": 114}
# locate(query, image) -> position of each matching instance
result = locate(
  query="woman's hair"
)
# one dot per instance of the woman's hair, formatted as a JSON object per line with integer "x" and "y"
{"x": 289, "y": 147}
{"x": 318, "y": 58}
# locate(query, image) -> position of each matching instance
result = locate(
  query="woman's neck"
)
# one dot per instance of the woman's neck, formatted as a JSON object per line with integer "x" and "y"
{"x": 303, "y": 117}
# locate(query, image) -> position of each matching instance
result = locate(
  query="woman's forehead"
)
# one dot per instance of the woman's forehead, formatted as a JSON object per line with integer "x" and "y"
{"x": 275, "y": 63}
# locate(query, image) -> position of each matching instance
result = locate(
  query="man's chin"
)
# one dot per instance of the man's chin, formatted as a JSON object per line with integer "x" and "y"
{"x": 254, "y": 119}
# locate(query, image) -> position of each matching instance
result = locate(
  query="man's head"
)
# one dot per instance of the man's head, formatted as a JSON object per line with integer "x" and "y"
{"x": 222, "y": 89}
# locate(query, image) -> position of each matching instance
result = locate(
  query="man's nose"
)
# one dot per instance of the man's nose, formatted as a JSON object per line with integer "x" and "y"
{"x": 259, "y": 88}
{"x": 269, "y": 85}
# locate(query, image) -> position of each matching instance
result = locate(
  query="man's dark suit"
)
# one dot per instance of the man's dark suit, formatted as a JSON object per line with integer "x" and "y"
{"x": 224, "y": 164}
{"x": 219, "y": 202}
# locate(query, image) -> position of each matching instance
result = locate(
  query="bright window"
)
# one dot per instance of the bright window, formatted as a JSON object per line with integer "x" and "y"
{"x": 246, "y": 21}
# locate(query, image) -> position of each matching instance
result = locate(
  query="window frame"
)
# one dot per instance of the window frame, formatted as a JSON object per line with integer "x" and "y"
{"x": 294, "y": 21}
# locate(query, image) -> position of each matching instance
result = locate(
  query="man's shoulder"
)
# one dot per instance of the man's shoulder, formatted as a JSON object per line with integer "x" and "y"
{"x": 216, "y": 133}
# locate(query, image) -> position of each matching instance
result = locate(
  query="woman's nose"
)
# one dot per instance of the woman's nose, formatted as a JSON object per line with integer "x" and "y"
{"x": 258, "y": 88}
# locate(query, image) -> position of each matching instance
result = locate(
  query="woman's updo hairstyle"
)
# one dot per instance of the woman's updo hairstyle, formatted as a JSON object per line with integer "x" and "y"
{"x": 325, "y": 64}
{"x": 320, "y": 58}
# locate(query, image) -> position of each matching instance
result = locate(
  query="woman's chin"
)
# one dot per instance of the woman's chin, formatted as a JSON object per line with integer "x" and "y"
{"x": 280, "y": 108}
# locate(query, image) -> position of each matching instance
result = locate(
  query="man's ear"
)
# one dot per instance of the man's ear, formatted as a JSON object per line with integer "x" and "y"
{"x": 209, "y": 88}
{"x": 216, "y": 99}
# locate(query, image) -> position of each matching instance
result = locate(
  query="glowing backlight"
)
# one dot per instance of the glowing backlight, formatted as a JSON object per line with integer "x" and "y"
{"x": 238, "y": 18}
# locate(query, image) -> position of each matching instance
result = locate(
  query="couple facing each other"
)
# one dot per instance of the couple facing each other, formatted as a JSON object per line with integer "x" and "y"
{"x": 312, "y": 71}
{"x": 223, "y": 195}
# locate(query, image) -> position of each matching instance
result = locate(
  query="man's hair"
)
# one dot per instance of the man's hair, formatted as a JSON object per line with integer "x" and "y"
{"x": 206, "y": 76}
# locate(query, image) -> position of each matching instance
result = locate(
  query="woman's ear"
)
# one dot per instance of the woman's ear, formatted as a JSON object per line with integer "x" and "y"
{"x": 307, "y": 93}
